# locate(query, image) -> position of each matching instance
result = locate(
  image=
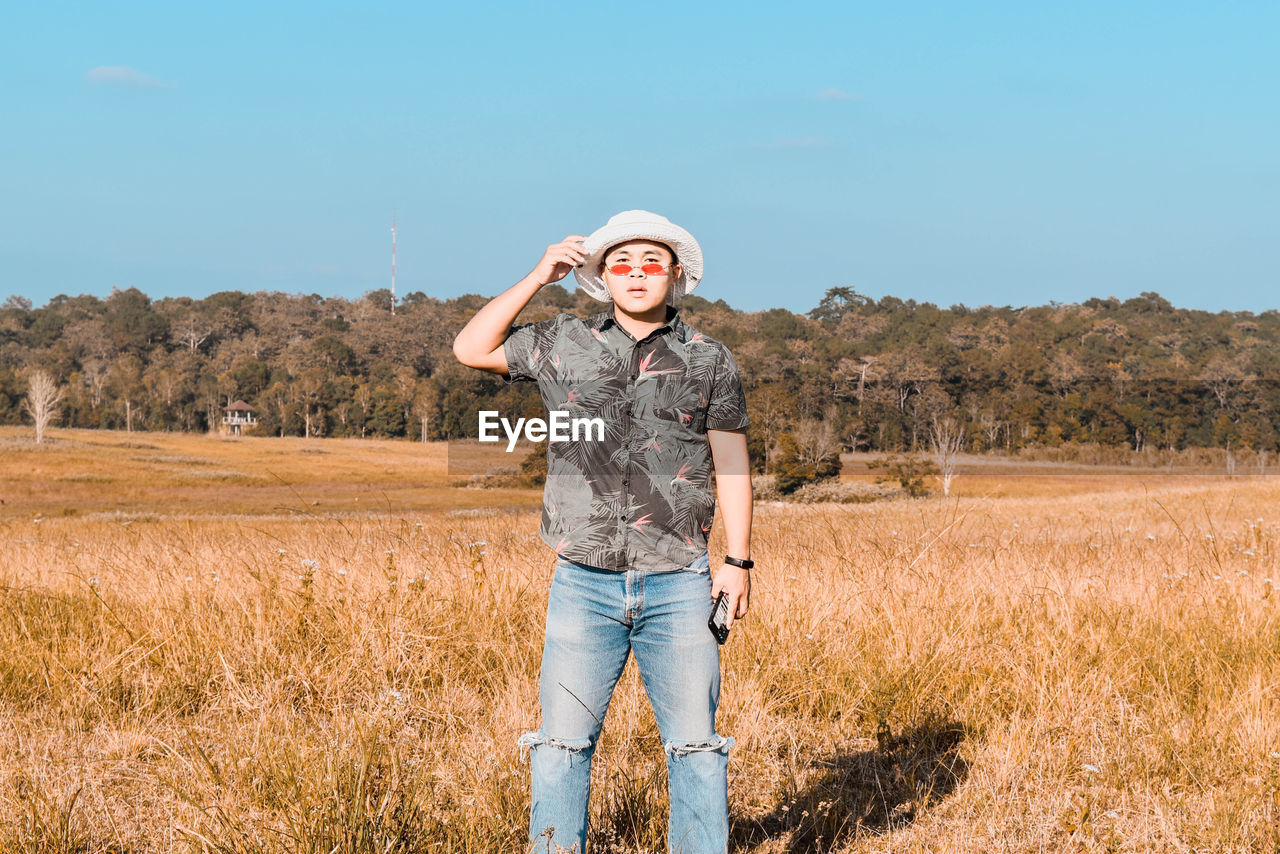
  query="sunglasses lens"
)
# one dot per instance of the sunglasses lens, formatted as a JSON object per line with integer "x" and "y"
{"x": 647, "y": 269}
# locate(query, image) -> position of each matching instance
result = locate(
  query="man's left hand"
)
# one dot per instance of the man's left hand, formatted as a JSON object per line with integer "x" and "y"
{"x": 736, "y": 584}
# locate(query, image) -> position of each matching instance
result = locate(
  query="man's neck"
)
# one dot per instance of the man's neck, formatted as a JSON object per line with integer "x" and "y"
{"x": 640, "y": 325}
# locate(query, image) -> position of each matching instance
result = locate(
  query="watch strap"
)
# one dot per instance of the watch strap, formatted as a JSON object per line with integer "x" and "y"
{"x": 733, "y": 561}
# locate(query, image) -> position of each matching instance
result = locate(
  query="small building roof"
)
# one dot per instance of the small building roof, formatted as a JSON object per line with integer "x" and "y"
{"x": 240, "y": 406}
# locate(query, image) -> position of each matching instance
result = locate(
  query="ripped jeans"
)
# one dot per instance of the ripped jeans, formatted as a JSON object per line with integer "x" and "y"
{"x": 595, "y": 618}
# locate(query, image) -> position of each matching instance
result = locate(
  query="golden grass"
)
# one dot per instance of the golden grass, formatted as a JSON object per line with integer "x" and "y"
{"x": 1087, "y": 671}
{"x": 96, "y": 471}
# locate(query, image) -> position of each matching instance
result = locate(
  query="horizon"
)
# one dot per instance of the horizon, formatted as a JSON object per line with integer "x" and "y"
{"x": 911, "y": 302}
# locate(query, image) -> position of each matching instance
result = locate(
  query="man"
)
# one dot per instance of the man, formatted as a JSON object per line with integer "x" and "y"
{"x": 629, "y": 514}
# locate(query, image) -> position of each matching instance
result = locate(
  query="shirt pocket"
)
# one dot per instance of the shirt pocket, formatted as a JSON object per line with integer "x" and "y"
{"x": 682, "y": 403}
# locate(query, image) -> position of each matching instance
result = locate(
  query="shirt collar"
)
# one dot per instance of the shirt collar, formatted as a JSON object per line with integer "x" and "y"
{"x": 602, "y": 320}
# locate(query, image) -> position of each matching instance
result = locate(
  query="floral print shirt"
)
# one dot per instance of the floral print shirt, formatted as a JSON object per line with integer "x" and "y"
{"x": 643, "y": 497}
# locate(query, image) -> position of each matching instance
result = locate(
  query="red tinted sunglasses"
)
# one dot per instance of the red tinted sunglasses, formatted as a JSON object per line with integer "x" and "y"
{"x": 647, "y": 269}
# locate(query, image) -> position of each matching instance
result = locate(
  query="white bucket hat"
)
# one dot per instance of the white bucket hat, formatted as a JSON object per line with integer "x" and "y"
{"x": 640, "y": 225}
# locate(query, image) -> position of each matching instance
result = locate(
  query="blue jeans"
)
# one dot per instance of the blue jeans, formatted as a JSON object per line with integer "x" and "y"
{"x": 595, "y": 618}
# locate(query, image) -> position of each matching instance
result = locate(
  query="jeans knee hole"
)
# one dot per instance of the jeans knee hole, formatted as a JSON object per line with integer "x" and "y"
{"x": 718, "y": 744}
{"x": 533, "y": 740}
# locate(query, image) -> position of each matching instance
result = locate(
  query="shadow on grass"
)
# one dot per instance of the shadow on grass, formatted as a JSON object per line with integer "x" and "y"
{"x": 864, "y": 791}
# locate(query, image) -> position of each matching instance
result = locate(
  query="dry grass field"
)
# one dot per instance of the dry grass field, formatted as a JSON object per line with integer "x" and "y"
{"x": 320, "y": 646}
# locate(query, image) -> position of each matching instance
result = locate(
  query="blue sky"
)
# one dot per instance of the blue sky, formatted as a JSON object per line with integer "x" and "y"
{"x": 994, "y": 153}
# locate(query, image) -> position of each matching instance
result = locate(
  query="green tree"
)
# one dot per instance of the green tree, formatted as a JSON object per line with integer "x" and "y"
{"x": 794, "y": 465}
{"x": 910, "y": 472}
{"x": 387, "y": 417}
{"x": 127, "y": 387}
{"x": 131, "y": 323}
{"x": 836, "y": 303}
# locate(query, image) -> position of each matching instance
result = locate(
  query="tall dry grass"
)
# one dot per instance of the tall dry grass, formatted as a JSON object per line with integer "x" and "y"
{"x": 1093, "y": 672}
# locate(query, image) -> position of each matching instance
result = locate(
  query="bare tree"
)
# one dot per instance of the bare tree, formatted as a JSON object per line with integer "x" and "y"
{"x": 95, "y": 376}
{"x": 802, "y": 350}
{"x": 309, "y": 390}
{"x": 364, "y": 399}
{"x": 1065, "y": 372}
{"x": 947, "y": 437}
{"x": 43, "y": 397}
{"x": 851, "y": 372}
{"x": 906, "y": 372}
{"x": 925, "y": 408}
{"x": 991, "y": 427}
{"x": 127, "y": 386}
{"x": 406, "y": 386}
{"x": 1225, "y": 378}
{"x": 816, "y": 442}
{"x": 193, "y": 330}
{"x": 771, "y": 408}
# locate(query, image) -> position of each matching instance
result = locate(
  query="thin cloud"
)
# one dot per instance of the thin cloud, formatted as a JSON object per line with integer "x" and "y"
{"x": 121, "y": 75}
{"x": 836, "y": 95}
{"x": 798, "y": 143}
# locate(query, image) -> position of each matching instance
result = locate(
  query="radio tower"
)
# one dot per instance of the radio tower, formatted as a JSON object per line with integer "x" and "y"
{"x": 393, "y": 262}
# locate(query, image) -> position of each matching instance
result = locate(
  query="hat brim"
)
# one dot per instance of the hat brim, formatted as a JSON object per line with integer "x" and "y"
{"x": 688, "y": 255}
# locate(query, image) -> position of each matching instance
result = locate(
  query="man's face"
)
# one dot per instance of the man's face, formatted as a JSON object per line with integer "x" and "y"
{"x": 636, "y": 291}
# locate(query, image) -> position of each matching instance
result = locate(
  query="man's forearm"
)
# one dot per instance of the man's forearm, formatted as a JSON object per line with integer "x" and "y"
{"x": 733, "y": 487}
{"x": 486, "y": 331}
{"x": 734, "y": 494}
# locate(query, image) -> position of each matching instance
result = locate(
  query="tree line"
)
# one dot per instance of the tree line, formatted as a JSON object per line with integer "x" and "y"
{"x": 852, "y": 374}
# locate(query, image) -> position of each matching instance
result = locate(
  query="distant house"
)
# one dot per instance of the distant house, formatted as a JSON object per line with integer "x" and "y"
{"x": 239, "y": 414}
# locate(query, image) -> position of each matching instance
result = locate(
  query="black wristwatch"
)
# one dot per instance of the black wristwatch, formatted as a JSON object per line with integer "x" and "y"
{"x": 733, "y": 561}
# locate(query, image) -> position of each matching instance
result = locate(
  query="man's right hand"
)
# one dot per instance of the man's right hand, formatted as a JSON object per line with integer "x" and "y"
{"x": 559, "y": 259}
{"x": 479, "y": 344}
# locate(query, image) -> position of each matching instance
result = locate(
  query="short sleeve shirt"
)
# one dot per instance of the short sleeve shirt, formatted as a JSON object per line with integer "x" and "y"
{"x": 639, "y": 496}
